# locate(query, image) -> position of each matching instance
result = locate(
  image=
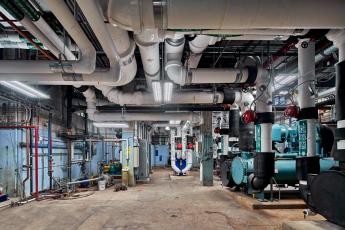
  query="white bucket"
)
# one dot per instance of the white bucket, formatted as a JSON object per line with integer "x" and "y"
{"x": 101, "y": 185}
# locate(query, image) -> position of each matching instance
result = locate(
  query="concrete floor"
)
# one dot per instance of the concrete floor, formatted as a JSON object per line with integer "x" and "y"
{"x": 162, "y": 204}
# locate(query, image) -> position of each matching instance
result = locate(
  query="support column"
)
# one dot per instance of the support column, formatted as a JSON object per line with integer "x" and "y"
{"x": 308, "y": 160}
{"x": 206, "y": 164}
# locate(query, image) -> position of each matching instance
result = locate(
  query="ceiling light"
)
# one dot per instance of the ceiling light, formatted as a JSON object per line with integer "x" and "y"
{"x": 168, "y": 91}
{"x": 283, "y": 92}
{"x": 110, "y": 125}
{"x": 30, "y": 89}
{"x": 24, "y": 89}
{"x": 174, "y": 122}
{"x": 157, "y": 91}
{"x": 167, "y": 128}
{"x": 17, "y": 89}
{"x": 284, "y": 79}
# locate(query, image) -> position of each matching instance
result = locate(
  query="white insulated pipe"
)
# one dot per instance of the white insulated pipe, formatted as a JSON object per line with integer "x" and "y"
{"x": 103, "y": 117}
{"x": 55, "y": 39}
{"x": 276, "y": 32}
{"x": 40, "y": 35}
{"x": 306, "y": 72}
{"x": 85, "y": 65}
{"x": 97, "y": 116}
{"x": 189, "y": 161}
{"x": 149, "y": 52}
{"x": 125, "y": 46}
{"x": 197, "y": 46}
{"x": 264, "y": 105}
{"x": 183, "y": 97}
{"x": 173, "y": 152}
{"x": 306, "y": 87}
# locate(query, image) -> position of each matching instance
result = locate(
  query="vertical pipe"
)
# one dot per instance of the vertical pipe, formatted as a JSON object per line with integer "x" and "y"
{"x": 31, "y": 154}
{"x": 50, "y": 152}
{"x": 306, "y": 91}
{"x": 36, "y": 163}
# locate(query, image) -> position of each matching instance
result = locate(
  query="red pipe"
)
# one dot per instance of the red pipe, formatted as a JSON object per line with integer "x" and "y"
{"x": 36, "y": 149}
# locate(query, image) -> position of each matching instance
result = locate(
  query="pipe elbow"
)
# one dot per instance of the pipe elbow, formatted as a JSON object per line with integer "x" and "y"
{"x": 176, "y": 72}
{"x": 258, "y": 183}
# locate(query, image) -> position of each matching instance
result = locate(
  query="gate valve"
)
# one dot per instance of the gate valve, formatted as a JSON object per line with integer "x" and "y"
{"x": 217, "y": 130}
{"x": 179, "y": 146}
{"x": 291, "y": 111}
{"x": 248, "y": 116}
{"x": 190, "y": 146}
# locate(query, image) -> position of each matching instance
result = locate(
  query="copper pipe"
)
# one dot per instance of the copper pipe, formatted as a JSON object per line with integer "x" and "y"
{"x": 23, "y": 34}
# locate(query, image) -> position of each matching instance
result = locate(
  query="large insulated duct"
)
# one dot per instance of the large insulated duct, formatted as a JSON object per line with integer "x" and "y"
{"x": 230, "y": 14}
{"x": 264, "y": 158}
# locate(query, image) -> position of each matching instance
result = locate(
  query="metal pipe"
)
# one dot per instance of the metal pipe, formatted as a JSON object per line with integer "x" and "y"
{"x": 50, "y": 151}
{"x": 36, "y": 150}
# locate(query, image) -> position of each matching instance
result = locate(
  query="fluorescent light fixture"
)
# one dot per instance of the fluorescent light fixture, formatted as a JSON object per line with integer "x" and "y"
{"x": 157, "y": 91}
{"x": 110, "y": 125}
{"x": 284, "y": 79}
{"x": 283, "y": 92}
{"x": 168, "y": 91}
{"x": 24, "y": 89}
{"x": 174, "y": 122}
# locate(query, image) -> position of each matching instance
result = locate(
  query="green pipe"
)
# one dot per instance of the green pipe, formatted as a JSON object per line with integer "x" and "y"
{"x": 26, "y": 7}
{"x": 12, "y": 9}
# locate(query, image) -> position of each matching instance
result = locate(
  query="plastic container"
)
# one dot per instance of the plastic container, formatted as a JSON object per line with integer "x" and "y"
{"x": 101, "y": 185}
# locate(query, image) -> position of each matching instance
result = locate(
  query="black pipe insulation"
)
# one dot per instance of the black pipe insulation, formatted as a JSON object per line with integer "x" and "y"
{"x": 340, "y": 108}
{"x": 234, "y": 123}
{"x": 263, "y": 170}
{"x": 246, "y": 140}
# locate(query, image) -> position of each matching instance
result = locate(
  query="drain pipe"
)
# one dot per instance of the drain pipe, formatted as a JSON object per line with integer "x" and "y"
{"x": 338, "y": 38}
{"x": 264, "y": 158}
{"x": 308, "y": 161}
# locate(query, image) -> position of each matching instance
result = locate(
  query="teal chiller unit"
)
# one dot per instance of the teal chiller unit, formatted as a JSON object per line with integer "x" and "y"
{"x": 286, "y": 145}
